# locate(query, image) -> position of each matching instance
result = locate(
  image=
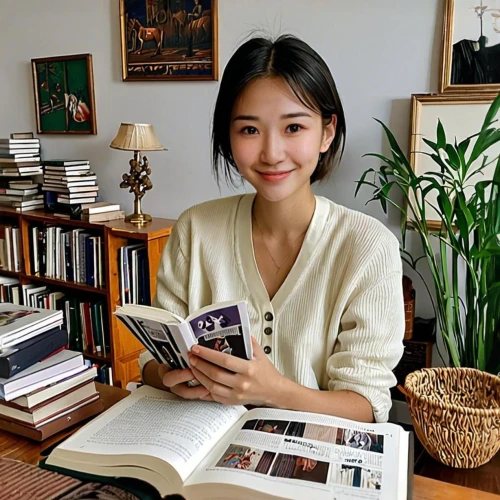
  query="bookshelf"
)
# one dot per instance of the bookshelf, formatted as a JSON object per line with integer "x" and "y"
{"x": 124, "y": 349}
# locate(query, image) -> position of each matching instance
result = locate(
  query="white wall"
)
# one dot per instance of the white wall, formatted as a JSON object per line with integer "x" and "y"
{"x": 380, "y": 52}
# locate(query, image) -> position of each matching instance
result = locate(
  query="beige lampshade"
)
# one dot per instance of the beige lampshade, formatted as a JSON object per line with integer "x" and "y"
{"x": 136, "y": 137}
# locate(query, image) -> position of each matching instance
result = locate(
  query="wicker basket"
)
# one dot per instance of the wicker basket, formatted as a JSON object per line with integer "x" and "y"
{"x": 456, "y": 414}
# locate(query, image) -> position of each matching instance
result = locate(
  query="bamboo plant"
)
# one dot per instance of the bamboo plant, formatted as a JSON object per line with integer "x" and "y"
{"x": 468, "y": 235}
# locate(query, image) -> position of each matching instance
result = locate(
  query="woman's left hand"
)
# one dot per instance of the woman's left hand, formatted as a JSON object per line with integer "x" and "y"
{"x": 235, "y": 381}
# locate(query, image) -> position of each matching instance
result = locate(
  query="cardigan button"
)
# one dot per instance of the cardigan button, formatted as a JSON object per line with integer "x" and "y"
{"x": 268, "y": 317}
{"x": 267, "y": 349}
{"x": 268, "y": 331}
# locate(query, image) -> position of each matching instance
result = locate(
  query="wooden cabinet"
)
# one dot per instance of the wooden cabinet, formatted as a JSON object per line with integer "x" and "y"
{"x": 124, "y": 348}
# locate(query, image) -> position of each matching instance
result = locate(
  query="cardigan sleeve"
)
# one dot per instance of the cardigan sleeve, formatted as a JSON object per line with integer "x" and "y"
{"x": 370, "y": 343}
{"x": 172, "y": 281}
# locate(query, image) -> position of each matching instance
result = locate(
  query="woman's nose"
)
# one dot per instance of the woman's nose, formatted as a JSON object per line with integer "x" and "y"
{"x": 273, "y": 150}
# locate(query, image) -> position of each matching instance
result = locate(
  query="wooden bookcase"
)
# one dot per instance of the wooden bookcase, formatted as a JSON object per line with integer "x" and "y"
{"x": 124, "y": 348}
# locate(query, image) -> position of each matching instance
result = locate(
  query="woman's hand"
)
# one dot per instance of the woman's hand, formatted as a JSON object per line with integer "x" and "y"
{"x": 176, "y": 382}
{"x": 234, "y": 381}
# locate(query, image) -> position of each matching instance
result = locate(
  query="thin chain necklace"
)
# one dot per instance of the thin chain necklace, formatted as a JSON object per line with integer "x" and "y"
{"x": 278, "y": 268}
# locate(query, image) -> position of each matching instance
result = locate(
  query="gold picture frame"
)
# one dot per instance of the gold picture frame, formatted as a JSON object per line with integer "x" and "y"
{"x": 426, "y": 109}
{"x": 470, "y": 62}
{"x": 64, "y": 94}
{"x": 164, "y": 40}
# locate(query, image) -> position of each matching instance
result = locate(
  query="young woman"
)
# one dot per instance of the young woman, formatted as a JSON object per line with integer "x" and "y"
{"x": 323, "y": 283}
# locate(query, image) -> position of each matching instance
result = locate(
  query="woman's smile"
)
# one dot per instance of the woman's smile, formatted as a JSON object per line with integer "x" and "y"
{"x": 275, "y": 176}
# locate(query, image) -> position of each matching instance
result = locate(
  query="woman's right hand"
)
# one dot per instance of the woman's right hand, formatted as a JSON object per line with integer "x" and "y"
{"x": 176, "y": 382}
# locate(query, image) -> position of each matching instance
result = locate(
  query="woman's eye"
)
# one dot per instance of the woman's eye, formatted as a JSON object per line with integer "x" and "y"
{"x": 294, "y": 128}
{"x": 249, "y": 130}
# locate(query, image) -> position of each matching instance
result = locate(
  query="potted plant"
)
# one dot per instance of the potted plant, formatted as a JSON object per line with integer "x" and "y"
{"x": 466, "y": 397}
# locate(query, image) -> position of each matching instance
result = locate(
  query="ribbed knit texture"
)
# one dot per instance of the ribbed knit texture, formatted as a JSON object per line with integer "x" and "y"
{"x": 338, "y": 319}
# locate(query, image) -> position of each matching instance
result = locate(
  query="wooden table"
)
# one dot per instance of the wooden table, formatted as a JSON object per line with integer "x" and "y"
{"x": 19, "y": 448}
{"x": 486, "y": 477}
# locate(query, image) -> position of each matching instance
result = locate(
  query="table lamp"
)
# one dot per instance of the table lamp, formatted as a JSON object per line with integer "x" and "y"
{"x": 137, "y": 137}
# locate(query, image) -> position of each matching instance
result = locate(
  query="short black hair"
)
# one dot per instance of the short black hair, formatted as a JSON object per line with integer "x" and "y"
{"x": 306, "y": 73}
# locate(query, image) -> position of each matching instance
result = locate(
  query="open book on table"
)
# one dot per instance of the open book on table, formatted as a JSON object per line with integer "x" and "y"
{"x": 205, "y": 450}
{"x": 224, "y": 326}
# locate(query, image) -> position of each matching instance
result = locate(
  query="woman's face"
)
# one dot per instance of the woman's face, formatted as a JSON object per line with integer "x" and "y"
{"x": 275, "y": 139}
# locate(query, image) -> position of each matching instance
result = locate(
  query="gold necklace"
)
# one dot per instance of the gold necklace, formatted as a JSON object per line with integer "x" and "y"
{"x": 278, "y": 268}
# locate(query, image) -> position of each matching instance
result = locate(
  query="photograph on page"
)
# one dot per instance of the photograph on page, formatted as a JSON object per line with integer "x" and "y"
{"x": 222, "y": 330}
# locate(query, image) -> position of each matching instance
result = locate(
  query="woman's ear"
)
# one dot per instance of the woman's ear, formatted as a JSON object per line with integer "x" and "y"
{"x": 328, "y": 134}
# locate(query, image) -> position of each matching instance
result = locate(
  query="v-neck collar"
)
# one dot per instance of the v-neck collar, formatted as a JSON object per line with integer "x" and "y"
{"x": 246, "y": 256}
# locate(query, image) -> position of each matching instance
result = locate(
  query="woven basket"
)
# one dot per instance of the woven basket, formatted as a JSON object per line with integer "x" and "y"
{"x": 456, "y": 414}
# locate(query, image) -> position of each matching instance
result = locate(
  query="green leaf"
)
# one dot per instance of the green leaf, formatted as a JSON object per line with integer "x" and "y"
{"x": 441, "y": 136}
{"x": 431, "y": 144}
{"x": 462, "y": 149}
{"x": 362, "y": 181}
{"x": 453, "y": 156}
{"x": 464, "y": 220}
{"x": 395, "y": 146}
{"x": 492, "y": 113}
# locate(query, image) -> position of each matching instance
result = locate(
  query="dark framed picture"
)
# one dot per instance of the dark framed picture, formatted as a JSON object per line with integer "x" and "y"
{"x": 64, "y": 94}
{"x": 169, "y": 40}
{"x": 471, "y": 47}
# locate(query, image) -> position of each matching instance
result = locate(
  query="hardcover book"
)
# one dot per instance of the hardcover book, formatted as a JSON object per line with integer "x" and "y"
{"x": 21, "y": 356}
{"x": 205, "y": 450}
{"x": 41, "y": 374}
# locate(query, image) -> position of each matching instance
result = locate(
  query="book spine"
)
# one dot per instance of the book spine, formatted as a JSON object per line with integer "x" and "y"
{"x": 24, "y": 358}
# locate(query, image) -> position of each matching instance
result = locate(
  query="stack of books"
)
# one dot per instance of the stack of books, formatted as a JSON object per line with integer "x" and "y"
{"x": 70, "y": 181}
{"x": 23, "y": 195}
{"x": 44, "y": 387}
{"x": 101, "y": 211}
{"x": 20, "y": 155}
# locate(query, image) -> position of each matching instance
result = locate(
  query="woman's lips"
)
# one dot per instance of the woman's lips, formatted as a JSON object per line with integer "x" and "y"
{"x": 274, "y": 176}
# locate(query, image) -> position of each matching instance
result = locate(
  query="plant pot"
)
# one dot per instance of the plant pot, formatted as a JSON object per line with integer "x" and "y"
{"x": 456, "y": 414}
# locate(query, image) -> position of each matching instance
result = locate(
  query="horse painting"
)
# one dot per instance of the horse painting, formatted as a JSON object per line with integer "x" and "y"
{"x": 142, "y": 34}
{"x": 169, "y": 39}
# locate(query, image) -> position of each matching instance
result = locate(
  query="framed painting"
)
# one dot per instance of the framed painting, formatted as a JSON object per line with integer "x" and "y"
{"x": 471, "y": 46}
{"x": 169, "y": 40}
{"x": 64, "y": 94}
{"x": 461, "y": 116}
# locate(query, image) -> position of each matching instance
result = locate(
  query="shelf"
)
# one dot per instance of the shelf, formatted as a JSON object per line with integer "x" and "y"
{"x": 156, "y": 229}
{"x": 15, "y": 274}
{"x": 124, "y": 348}
{"x": 68, "y": 284}
{"x": 9, "y": 211}
{"x": 49, "y": 218}
{"x": 97, "y": 357}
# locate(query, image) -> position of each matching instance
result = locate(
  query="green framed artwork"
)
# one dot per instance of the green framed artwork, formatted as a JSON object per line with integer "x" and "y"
{"x": 64, "y": 94}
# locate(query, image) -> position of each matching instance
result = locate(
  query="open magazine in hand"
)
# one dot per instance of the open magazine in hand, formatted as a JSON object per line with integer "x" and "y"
{"x": 224, "y": 327}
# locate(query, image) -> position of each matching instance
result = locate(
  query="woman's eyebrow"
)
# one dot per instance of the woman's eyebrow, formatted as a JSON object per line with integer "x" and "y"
{"x": 288, "y": 116}
{"x": 246, "y": 118}
{"x": 299, "y": 114}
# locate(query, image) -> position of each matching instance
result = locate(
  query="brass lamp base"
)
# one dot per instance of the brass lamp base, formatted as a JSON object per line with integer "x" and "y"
{"x": 138, "y": 219}
{"x": 138, "y": 182}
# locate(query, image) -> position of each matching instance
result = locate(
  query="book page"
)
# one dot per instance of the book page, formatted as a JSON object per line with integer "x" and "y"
{"x": 301, "y": 455}
{"x": 169, "y": 344}
{"x": 166, "y": 339}
{"x": 147, "y": 425}
{"x": 224, "y": 327}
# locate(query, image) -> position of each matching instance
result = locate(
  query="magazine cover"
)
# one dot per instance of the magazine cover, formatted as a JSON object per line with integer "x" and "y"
{"x": 222, "y": 330}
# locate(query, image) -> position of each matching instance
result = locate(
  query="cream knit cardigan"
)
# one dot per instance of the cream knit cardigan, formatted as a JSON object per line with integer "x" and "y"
{"x": 337, "y": 322}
